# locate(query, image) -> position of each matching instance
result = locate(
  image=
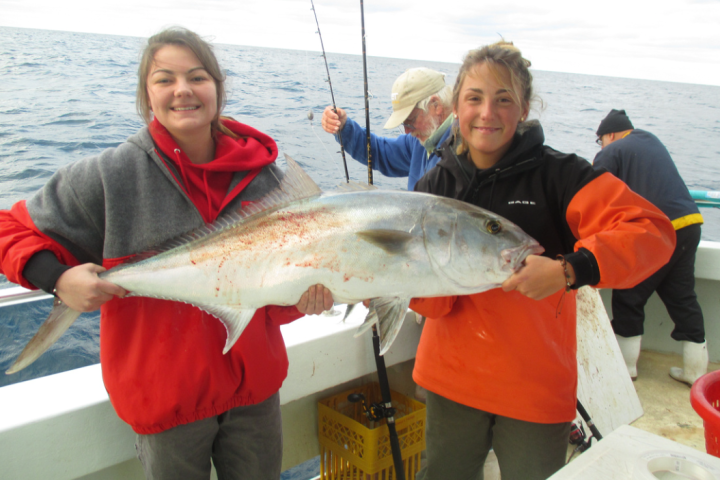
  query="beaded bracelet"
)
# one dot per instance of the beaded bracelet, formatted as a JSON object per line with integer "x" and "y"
{"x": 563, "y": 262}
{"x": 58, "y": 301}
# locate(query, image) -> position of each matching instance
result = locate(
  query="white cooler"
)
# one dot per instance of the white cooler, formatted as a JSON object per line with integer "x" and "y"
{"x": 629, "y": 453}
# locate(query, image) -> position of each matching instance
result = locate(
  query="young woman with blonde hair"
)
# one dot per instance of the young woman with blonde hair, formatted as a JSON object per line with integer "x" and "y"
{"x": 500, "y": 366}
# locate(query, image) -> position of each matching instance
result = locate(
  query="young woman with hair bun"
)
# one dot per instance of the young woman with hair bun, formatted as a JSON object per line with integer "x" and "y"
{"x": 500, "y": 366}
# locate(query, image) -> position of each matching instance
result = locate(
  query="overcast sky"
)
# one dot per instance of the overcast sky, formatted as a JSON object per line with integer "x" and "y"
{"x": 670, "y": 40}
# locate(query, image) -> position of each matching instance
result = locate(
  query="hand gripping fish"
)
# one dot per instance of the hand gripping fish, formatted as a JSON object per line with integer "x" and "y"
{"x": 358, "y": 241}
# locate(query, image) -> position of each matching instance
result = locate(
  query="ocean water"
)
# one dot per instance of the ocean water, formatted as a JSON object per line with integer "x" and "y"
{"x": 67, "y": 95}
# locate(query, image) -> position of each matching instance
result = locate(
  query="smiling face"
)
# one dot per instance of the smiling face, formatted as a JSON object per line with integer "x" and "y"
{"x": 181, "y": 93}
{"x": 488, "y": 114}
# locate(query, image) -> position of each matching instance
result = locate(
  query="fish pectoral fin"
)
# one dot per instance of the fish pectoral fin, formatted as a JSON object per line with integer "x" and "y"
{"x": 235, "y": 320}
{"x": 370, "y": 319}
{"x": 59, "y": 320}
{"x": 391, "y": 313}
{"x": 388, "y": 313}
{"x": 348, "y": 310}
{"x": 392, "y": 241}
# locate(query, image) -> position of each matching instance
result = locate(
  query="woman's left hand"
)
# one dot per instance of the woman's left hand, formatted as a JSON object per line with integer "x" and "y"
{"x": 316, "y": 300}
{"x": 539, "y": 278}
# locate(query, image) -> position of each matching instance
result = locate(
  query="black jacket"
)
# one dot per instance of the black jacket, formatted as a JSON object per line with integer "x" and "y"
{"x": 532, "y": 186}
{"x": 643, "y": 162}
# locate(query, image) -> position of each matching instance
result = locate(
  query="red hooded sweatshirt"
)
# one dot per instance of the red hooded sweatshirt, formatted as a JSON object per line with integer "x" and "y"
{"x": 162, "y": 361}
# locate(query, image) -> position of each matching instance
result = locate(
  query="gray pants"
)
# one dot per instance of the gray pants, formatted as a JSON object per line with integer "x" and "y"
{"x": 245, "y": 443}
{"x": 459, "y": 439}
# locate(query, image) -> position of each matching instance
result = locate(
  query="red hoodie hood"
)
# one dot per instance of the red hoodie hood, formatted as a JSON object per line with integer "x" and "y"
{"x": 207, "y": 184}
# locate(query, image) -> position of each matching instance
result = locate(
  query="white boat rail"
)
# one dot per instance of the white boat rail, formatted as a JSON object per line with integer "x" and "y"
{"x": 706, "y": 198}
{"x": 15, "y": 295}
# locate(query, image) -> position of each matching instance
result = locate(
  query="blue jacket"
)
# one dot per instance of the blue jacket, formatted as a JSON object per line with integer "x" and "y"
{"x": 643, "y": 162}
{"x": 403, "y": 156}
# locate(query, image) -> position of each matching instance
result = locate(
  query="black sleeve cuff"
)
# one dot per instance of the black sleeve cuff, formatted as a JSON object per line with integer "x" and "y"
{"x": 43, "y": 270}
{"x": 585, "y": 266}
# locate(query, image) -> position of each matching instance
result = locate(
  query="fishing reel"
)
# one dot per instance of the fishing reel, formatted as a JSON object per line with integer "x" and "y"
{"x": 579, "y": 437}
{"x": 376, "y": 412}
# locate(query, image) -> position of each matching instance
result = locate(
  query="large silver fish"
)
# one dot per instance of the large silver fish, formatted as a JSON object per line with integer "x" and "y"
{"x": 358, "y": 241}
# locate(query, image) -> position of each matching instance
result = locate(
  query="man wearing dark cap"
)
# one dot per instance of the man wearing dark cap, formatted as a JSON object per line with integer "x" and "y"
{"x": 422, "y": 104}
{"x": 639, "y": 159}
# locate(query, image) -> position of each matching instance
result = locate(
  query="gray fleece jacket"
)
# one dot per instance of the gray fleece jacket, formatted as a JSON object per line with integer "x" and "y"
{"x": 125, "y": 201}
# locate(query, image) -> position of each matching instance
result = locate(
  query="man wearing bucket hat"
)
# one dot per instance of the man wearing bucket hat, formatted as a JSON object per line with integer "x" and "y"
{"x": 422, "y": 104}
{"x": 639, "y": 159}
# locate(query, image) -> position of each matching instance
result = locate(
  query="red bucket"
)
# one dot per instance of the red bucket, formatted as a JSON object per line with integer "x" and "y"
{"x": 705, "y": 399}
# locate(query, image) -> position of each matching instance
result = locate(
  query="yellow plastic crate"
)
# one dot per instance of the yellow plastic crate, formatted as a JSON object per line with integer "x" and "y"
{"x": 352, "y": 447}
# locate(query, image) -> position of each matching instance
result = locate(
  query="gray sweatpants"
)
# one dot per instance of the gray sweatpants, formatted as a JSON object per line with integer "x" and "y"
{"x": 245, "y": 443}
{"x": 459, "y": 439}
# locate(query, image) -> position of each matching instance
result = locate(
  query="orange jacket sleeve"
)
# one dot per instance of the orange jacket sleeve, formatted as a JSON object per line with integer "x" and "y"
{"x": 629, "y": 237}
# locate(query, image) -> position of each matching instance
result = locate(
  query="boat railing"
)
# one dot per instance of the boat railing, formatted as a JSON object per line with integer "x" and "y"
{"x": 16, "y": 295}
{"x": 705, "y": 198}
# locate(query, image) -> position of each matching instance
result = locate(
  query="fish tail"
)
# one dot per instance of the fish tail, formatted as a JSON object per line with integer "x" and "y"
{"x": 59, "y": 320}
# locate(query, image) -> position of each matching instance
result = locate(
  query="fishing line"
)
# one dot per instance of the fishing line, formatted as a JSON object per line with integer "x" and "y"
{"x": 332, "y": 95}
{"x": 311, "y": 116}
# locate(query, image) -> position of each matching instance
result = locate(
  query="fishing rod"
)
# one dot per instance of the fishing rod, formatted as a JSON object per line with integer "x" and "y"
{"x": 591, "y": 425}
{"x": 332, "y": 95}
{"x": 386, "y": 409}
{"x": 367, "y": 105}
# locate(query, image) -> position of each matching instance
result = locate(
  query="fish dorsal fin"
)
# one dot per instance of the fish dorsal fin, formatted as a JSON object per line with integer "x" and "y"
{"x": 355, "y": 187}
{"x": 295, "y": 185}
{"x": 392, "y": 241}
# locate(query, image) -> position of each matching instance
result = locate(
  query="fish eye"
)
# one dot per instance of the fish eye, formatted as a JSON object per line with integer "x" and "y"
{"x": 493, "y": 227}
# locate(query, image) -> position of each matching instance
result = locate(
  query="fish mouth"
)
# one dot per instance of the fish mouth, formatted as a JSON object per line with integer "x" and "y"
{"x": 514, "y": 257}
